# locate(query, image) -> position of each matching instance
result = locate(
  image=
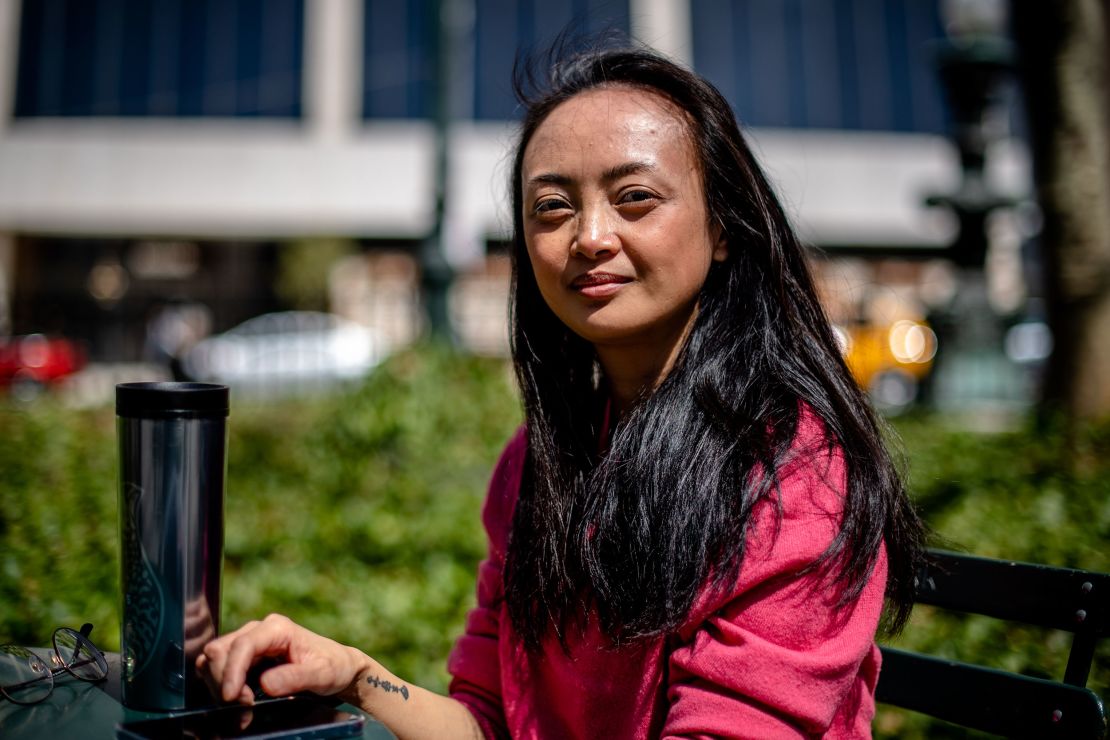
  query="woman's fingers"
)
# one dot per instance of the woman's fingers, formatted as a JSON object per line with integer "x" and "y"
{"x": 227, "y": 659}
{"x": 206, "y": 675}
{"x": 308, "y": 661}
{"x": 270, "y": 637}
{"x": 215, "y": 652}
{"x": 289, "y": 678}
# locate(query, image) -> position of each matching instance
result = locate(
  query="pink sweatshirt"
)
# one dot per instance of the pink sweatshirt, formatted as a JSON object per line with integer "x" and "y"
{"x": 773, "y": 658}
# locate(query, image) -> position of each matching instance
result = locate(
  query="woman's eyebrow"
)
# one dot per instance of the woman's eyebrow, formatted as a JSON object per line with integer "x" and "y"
{"x": 613, "y": 173}
{"x": 626, "y": 169}
{"x": 549, "y": 178}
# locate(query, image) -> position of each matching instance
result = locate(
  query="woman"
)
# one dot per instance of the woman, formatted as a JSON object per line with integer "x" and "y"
{"x": 694, "y": 531}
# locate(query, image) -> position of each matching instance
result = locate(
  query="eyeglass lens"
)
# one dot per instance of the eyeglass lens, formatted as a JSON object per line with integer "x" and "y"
{"x": 79, "y": 656}
{"x": 25, "y": 678}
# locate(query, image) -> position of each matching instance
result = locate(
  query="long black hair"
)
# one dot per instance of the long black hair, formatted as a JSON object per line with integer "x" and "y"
{"x": 638, "y": 532}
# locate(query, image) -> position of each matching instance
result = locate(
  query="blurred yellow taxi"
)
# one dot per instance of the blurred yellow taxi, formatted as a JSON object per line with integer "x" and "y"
{"x": 889, "y": 361}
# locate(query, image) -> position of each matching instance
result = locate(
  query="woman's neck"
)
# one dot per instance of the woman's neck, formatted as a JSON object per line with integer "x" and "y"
{"x": 633, "y": 372}
{"x": 636, "y": 367}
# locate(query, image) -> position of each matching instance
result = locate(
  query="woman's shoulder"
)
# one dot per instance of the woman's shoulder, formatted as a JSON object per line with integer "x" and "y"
{"x": 802, "y": 513}
{"x": 504, "y": 486}
{"x": 792, "y": 524}
{"x": 511, "y": 462}
{"x": 812, "y": 474}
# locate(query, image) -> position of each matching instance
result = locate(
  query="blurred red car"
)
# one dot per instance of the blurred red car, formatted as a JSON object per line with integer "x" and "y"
{"x": 32, "y": 362}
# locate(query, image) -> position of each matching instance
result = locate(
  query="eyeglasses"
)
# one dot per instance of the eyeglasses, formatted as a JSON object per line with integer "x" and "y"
{"x": 25, "y": 678}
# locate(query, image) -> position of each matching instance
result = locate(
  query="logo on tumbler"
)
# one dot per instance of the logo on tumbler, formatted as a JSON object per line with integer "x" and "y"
{"x": 142, "y": 594}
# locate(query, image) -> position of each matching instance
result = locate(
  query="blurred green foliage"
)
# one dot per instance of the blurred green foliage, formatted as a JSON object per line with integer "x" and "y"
{"x": 1032, "y": 494}
{"x": 358, "y": 515}
{"x": 355, "y": 514}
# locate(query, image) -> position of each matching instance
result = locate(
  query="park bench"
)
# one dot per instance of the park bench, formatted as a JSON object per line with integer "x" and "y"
{"x": 997, "y": 701}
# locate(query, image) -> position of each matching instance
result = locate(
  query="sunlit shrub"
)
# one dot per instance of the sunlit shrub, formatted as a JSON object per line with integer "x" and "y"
{"x": 358, "y": 515}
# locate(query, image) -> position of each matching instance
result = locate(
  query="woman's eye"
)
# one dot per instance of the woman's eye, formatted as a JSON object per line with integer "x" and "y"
{"x": 638, "y": 197}
{"x": 549, "y": 205}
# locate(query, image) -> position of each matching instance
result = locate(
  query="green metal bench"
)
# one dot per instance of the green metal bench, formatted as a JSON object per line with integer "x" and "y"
{"x": 996, "y": 701}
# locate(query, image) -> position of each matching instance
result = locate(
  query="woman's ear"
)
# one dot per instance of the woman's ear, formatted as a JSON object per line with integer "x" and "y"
{"x": 720, "y": 245}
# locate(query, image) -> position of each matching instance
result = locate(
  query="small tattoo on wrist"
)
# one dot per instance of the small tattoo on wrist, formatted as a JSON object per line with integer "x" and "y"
{"x": 388, "y": 686}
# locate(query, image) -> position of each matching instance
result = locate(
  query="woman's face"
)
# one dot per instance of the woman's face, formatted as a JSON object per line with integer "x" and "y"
{"x": 615, "y": 219}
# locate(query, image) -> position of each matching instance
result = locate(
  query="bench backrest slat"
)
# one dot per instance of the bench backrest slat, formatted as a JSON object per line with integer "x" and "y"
{"x": 989, "y": 700}
{"x": 996, "y": 701}
{"x": 1057, "y": 598}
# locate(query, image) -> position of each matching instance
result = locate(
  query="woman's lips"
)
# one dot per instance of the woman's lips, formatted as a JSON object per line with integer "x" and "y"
{"x": 599, "y": 284}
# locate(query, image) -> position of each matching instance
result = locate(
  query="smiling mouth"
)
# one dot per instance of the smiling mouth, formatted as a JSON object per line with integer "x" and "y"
{"x": 592, "y": 279}
{"x": 599, "y": 284}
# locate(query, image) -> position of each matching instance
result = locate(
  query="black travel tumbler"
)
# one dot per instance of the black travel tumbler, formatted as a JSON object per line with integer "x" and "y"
{"x": 172, "y": 466}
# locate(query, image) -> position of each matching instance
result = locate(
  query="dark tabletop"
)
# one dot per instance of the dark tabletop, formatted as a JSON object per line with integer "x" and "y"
{"x": 79, "y": 709}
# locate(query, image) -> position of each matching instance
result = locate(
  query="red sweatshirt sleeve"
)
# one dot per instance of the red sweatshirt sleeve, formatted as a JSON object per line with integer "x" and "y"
{"x": 777, "y": 657}
{"x": 474, "y": 662}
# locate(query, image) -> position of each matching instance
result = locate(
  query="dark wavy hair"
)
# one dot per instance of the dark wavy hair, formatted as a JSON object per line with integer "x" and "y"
{"x": 639, "y": 532}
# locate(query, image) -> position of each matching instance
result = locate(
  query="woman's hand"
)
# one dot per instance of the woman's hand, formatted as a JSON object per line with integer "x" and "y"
{"x": 309, "y": 662}
{"x": 313, "y": 663}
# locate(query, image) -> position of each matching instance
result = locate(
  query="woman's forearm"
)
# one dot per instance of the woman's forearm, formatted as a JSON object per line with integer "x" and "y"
{"x": 412, "y": 713}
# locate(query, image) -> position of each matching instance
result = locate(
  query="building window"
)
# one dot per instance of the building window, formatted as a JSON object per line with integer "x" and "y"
{"x": 842, "y": 64}
{"x": 174, "y": 58}
{"x": 397, "y": 65}
{"x": 504, "y": 28}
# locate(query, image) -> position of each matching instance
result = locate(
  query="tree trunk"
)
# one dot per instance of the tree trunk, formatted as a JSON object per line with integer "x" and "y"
{"x": 1065, "y": 69}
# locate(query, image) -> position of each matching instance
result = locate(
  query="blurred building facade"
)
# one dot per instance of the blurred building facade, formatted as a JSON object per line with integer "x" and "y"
{"x": 157, "y": 156}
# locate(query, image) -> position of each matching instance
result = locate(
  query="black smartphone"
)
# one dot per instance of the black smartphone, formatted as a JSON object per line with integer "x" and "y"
{"x": 288, "y": 718}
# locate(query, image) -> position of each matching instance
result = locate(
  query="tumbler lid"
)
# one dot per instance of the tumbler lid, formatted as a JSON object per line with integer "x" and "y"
{"x": 165, "y": 400}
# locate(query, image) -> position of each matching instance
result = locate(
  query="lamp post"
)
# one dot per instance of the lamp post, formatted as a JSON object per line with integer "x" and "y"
{"x": 435, "y": 269}
{"x": 973, "y": 62}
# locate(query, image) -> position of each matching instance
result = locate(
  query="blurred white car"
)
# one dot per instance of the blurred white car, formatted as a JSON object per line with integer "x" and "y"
{"x": 286, "y": 353}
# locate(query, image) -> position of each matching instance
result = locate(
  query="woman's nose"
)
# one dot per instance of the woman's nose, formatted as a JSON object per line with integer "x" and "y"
{"x": 596, "y": 236}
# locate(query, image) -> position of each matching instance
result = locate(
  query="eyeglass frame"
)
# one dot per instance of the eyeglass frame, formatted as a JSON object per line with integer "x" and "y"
{"x": 57, "y": 664}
